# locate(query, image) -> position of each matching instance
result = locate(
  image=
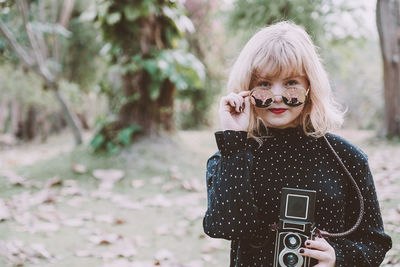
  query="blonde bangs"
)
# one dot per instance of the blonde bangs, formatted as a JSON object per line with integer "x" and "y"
{"x": 278, "y": 57}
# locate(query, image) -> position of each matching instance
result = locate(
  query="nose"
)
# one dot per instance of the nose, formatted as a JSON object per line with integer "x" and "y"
{"x": 278, "y": 98}
{"x": 277, "y": 91}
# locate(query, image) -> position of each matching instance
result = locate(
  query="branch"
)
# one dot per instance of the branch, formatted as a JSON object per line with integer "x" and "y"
{"x": 15, "y": 46}
{"x": 40, "y": 59}
{"x": 64, "y": 21}
{"x": 66, "y": 12}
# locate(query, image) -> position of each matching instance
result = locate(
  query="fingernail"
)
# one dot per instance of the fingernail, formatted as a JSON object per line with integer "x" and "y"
{"x": 243, "y": 105}
{"x": 307, "y": 243}
{"x": 301, "y": 250}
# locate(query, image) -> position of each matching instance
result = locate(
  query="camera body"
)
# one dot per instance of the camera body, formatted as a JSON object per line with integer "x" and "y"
{"x": 295, "y": 226}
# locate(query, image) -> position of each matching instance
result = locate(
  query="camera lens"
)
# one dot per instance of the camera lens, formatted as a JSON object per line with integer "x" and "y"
{"x": 292, "y": 241}
{"x": 290, "y": 259}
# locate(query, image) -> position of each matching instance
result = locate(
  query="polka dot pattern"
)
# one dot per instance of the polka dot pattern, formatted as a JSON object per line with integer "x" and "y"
{"x": 244, "y": 184}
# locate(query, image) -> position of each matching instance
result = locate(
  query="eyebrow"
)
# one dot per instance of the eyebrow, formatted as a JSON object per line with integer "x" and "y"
{"x": 270, "y": 77}
{"x": 294, "y": 77}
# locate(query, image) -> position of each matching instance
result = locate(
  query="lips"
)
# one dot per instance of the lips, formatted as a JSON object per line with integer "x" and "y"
{"x": 277, "y": 110}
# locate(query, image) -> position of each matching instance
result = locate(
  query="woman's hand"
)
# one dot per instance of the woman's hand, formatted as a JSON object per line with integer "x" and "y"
{"x": 321, "y": 250}
{"x": 234, "y": 111}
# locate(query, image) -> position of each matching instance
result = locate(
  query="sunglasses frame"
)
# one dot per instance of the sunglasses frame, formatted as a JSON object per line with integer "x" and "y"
{"x": 273, "y": 98}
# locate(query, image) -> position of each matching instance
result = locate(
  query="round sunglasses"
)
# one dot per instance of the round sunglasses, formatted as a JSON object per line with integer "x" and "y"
{"x": 262, "y": 97}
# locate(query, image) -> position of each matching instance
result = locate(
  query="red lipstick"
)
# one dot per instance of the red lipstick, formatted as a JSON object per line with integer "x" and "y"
{"x": 277, "y": 110}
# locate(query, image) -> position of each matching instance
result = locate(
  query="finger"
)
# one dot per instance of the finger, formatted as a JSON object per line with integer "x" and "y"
{"x": 313, "y": 253}
{"x": 226, "y": 104}
{"x": 318, "y": 243}
{"x": 234, "y": 100}
{"x": 231, "y": 102}
{"x": 244, "y": 93}
{"x": 246, "y": 103}
{"x": 239, "y": 103}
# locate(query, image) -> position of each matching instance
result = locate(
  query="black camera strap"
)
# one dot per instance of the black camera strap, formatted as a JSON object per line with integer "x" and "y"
{"x": 322, "y": 233}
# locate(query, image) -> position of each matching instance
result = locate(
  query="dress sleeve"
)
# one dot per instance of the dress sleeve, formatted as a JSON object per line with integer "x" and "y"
{"x": 231, "y": 210}
{"x": 368, "y": 245}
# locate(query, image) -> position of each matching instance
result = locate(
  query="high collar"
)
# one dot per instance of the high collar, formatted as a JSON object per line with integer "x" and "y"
{"x": 289, "y": 131}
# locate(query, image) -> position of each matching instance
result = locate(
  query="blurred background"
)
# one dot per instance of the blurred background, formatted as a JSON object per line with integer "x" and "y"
{"x": 108, "y": 111}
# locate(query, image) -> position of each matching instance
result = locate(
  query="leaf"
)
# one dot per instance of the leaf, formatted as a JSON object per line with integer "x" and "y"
{"x": 108, "y": 174}
{"x": 192, "y": 185}
{"x": 113, "y": 18}
{"x": 4, "y": 211}
{"x": 104, "y": 239}
{"x": 79, "y": 168}
{"x": 53, "y": 182}
{"x": 164, "y": 254}
{"x": 131, "y": 13}
{"x": 97, "y": 141}
{"x": 157, "y": 180}
{"x": 125, "y": 134}
{"x": 112, "y": 148}
{"x": 13, "y": 178}
{"x": 163, "y": 229}
{"x": 137, "y": 183}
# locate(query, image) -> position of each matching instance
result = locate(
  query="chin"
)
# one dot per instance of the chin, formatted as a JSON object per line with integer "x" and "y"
{"x": 280, "y": 124}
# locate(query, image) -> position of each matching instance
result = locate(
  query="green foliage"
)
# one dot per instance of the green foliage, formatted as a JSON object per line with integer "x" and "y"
{"x": 82, "y": 62}
{"x": 319, "y": 17}
{"x": 181, "y": 68}
{"x": 121, "y": 22}
{"x": 26, "y": 88}
{"x": 247, "y": 16}
{"x": 114, "y": 144}
{"x": 356, "y": 70}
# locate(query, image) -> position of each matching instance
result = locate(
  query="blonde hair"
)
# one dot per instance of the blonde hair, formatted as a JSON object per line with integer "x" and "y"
{"x": 286, "y": 48}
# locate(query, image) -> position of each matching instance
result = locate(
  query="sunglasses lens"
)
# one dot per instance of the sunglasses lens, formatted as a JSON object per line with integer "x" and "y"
{"x": 294, "y": 96}
{"x": 261, "y": 97}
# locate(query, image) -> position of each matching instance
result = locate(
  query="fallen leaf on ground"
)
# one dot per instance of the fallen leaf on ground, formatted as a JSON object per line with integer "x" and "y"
{"x": 137, "y": 183}
{"x": 157, "y": 180}
{"x": 175, "y": 174}
{"x": 79, "y": 168}
{"x": 4, "y": 211}
{"x": 53, "y": 182}
{"x": 192, "y": 185}
{"x": 167, "y": 187}
{"x": 212, "y": 245}
{"x": 164, "y": 254}
{"x": 104, "y": 239}
{"x": 109, "y": 174}
{"x": 163, "y": 229}
{"x": 13, "y": 178}
{"x": 158, "y": 201}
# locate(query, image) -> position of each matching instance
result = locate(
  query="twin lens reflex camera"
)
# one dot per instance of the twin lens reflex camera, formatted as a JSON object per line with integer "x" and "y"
{"x": 295, "y": 226}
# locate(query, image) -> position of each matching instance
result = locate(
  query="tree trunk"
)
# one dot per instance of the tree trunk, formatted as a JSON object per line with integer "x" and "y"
{"x": 388, "y": 18}
{"x": 151, "y": 115}
{"x": 70, "y": 117}
{"x": 4, "y": 115}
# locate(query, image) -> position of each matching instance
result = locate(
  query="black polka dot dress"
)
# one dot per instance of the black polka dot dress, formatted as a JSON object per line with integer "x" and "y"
{"x": 244, "y": 184}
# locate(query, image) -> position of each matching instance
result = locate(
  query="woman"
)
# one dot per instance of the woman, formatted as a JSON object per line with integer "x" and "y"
{"x": 273, "y": 121}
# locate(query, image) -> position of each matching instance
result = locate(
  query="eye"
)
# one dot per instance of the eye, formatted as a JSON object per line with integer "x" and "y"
{"x": 264, "y": 83}
{"x": 292, "y": 82}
